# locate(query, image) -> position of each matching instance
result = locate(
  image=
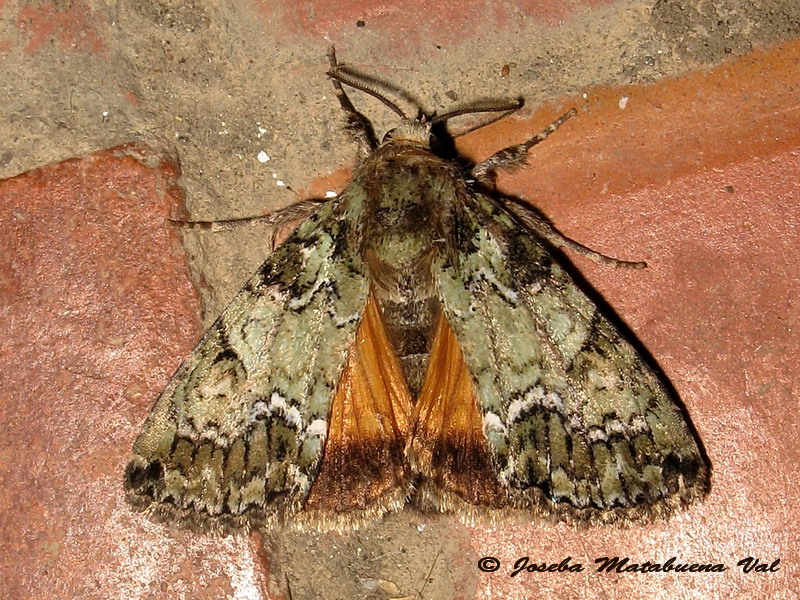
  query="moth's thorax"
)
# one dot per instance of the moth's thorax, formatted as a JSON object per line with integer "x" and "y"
{"x": 409, "y": 194}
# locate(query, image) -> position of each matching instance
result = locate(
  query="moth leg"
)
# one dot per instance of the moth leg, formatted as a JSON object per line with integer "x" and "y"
{"x": 548, "y": 232}
{"x": 516, "y": 156}
{"x": 277, "y": 219}
{"x": 358, "y": 126}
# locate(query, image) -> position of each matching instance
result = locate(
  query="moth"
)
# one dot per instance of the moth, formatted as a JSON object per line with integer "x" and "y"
{"x": 414, "y": 339}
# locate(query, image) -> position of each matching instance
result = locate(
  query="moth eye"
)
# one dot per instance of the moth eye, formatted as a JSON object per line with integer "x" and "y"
{"x": 435, "y": 144}
{"x": 389, "y": 135}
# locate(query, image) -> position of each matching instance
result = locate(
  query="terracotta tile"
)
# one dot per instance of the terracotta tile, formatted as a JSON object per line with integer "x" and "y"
{"x": 406, "y": 25}
{"x": 74, "y": 28}
{"x": 97, "y": 311}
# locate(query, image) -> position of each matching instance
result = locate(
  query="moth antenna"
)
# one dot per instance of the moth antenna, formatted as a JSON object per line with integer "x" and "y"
{"x": 508, "y": 107}
{"x": 341, "y": 75}
{"x": 357, "y": 124}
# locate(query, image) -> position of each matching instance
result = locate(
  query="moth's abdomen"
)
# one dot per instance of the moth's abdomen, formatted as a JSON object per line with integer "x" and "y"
{"x": 409, "y": 327}
{"x": 406, "y": 210}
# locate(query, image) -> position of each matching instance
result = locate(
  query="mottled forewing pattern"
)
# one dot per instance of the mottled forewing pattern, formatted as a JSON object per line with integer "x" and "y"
{"x": 237, "y": 436}
{"x": 576, "y": 421}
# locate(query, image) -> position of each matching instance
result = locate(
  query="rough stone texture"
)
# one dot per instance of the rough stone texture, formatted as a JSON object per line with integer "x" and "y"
{"x": 697, "y": 174}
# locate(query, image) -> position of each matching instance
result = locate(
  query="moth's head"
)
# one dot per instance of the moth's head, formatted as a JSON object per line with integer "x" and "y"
{"x": 424, "y": 132}
{"x": 417, "y": 132}
{"x": 430, "y": 131}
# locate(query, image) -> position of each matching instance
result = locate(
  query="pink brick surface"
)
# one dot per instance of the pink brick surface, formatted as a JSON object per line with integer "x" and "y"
{"x": 97, "y": 311}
